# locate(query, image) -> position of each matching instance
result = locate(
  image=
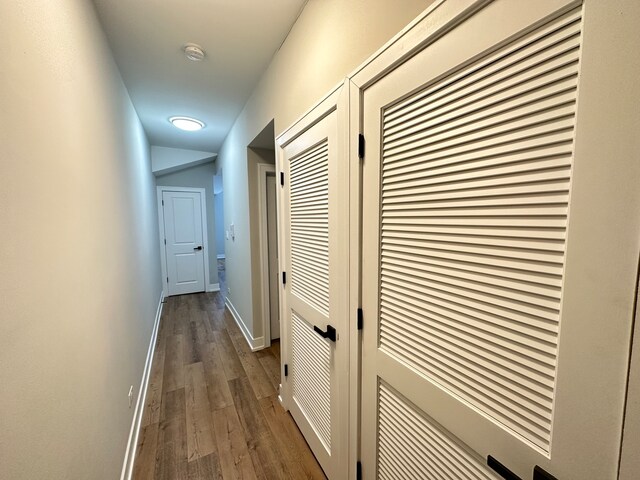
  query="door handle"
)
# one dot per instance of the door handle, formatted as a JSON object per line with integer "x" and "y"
{"x": 501, "y": 470}
{"x": 330, "y": 333}
{"x": 199, "y": 247}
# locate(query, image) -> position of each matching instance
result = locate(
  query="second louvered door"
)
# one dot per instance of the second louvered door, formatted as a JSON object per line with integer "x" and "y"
{"x": 467, "y": 179}
{"x": 314, "y": 293}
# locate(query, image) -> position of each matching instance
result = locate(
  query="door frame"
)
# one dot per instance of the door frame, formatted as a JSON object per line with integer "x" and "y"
{"x": 439, "y": 18}
{"x": 337, "y": 99}
{"x": 434, "y": 21}
{"x": 263, "y": 170}
{"x": 161, "y": 236}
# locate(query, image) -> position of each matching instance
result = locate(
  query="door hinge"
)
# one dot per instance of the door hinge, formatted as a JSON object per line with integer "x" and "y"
{"x": 284, "y": 278}
{"x": 360, "y": 318}
{"x": 165, "y": 241}
{"x": 361, "y": 146}
{"x": 163, "y": 203}
{"x": 359, "y": 470}
{"x": 167, "y": 279}
{"x": 501, "y": 470}
{"x": 282, "y": 178}
{"x": 540, "y": 474}
{"x": 286, "y": 370}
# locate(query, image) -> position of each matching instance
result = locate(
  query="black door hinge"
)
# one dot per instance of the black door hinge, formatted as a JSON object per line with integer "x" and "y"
{"x": 282, "y": 178}
{"x": 361, "y": 146}
{"x": 501, "y": 470}
{"x": 163, "y": 203}
{"x": 165, "y": 241}
{"x": 360, "y": 318}
{"x": 167, "y": 279}
{"x": 284, "y": 278}
{"x": 540, "y": 474}
{"x": 359, "y": 470}
{"x": 286, "y": 370}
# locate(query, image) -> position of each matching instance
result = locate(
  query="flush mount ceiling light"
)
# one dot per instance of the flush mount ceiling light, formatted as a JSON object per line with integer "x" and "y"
{"x": 193, "y": 52}
{"x": 187, "y": 123}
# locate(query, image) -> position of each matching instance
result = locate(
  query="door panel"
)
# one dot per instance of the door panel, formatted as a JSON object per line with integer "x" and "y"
{"x": 184, "y": 242}
{"x": 412, "y": 445}
{"x": 466, "y": 198}
{"x": 314, "y": 301}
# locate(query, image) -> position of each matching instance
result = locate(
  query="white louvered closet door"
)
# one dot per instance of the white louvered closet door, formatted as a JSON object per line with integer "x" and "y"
{"x": 315, "y": 358}
{"x": 467, "y": 182}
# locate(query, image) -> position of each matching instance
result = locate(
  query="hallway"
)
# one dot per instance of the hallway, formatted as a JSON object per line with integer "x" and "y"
{"x": 212, "y": 407}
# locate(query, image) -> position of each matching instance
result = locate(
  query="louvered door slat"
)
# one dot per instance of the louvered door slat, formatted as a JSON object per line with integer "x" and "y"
{"x": 501, "y": 343}
{"x": 485, "y": 69}
{"x": 519, "y": 331}
{"x": 475, "y": 176}
{"x": 311, "y": 376}
{"x": 411, "y": 445}
{"x": 309, "y": 210}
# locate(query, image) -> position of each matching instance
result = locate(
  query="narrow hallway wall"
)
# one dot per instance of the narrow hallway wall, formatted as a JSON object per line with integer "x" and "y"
{"x": 80, "y": 281}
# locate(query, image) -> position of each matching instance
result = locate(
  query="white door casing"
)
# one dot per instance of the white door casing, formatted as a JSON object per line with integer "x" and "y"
{"x": 314, "y": 240}
{"x": 476, "y": 153}
{"x": 183, "y": 241}
{"x": 272, "y": 247}
{"x": 269, "y": 272}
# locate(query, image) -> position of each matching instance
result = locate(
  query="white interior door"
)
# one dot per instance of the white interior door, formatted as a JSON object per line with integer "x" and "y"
{"x": 467, "y": 180}
{"x": 272, "y": 248}
{"x": 314, "y": 305}
{"x": 183, "y": 230}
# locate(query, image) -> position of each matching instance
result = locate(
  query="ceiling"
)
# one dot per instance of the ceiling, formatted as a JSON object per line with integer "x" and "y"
{"x": 239, "y": 37}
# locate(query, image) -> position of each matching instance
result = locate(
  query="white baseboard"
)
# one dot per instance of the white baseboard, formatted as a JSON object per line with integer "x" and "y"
{"x": 213, "y": 287}
{"x": 254, "y": 343}
{"x": 130, "y": 454}
{"x": 221, "y": 256}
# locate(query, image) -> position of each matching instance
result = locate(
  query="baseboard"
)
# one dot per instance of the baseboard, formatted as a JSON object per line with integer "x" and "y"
{"x": 213, "y": 287}
{"x": 130, "y": 454}
{"x": 221, "y": 256}
{"x": 254, "y": 343}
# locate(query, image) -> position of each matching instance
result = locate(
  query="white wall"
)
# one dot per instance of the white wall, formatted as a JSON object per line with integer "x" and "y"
{"x": 80, "y": 279}
{"x": 200, "y": 176}
{"x": 218, "y": 205}
{"x": 329, "y": 40}
{"x": 166, "y": 160}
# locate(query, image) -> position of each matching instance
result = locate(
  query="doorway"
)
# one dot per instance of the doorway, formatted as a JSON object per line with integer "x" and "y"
{"x": 183, "y": 239}
{"x": 269, "y": 251}
{"x": 218, "y": 205}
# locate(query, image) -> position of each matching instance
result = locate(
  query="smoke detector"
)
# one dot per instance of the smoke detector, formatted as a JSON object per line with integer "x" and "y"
{"x": 193, "y": 52}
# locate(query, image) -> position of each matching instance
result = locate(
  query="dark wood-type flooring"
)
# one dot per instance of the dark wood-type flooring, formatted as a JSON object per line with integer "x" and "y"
{"x": 212, "y": 409}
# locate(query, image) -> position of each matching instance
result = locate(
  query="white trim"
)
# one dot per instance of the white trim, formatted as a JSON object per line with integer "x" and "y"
{"x": 436, "y": 20}
{"x": 323, "y": 108}
{"x": 213, "y": 287}
{"x": 160, "y": 189}
{"x": 307, "y": 119}
{"x": 130, "y": 453}
{"x": 221, "y": 256}
{"x": 255, "y": 344}
{"x": 263, "y": 170}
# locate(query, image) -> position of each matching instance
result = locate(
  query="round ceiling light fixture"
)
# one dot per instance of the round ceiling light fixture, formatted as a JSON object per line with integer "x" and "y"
{"x": 193, "y": 52}
{"x": 187, "y": 123}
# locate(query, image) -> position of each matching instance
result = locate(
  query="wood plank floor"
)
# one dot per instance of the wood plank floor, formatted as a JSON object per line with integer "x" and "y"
{"x": 212, "y": 410}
